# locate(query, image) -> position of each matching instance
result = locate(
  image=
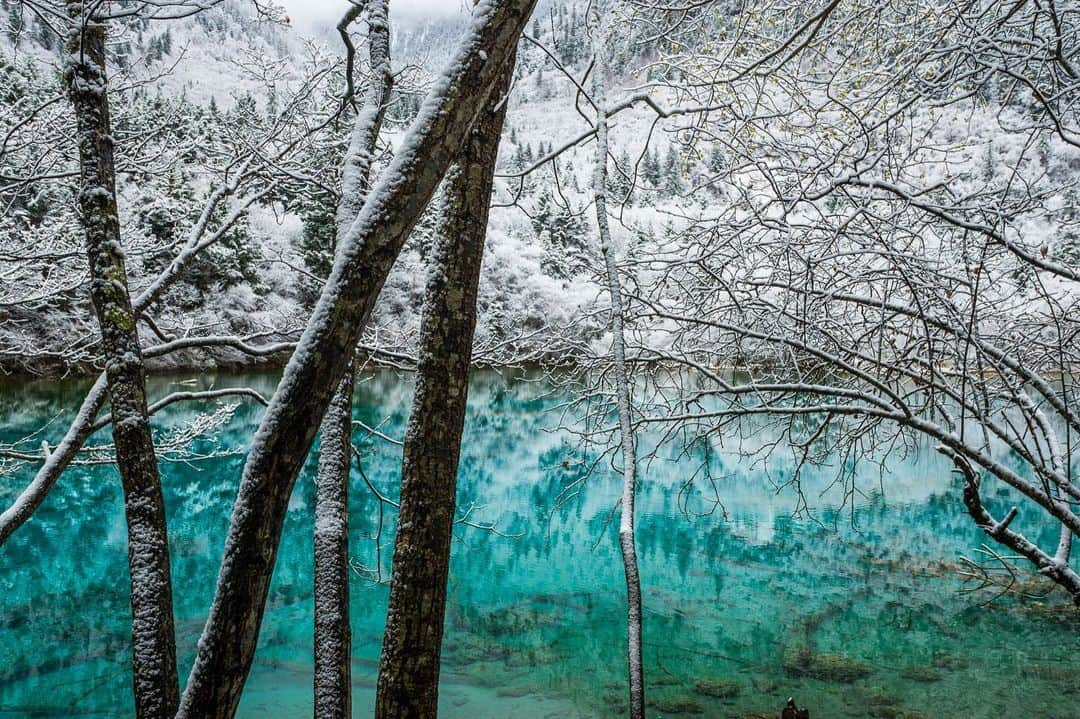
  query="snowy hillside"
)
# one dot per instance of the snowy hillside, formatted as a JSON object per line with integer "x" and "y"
{"x": 197, "y": 75}
{"x": 229, "y": 88}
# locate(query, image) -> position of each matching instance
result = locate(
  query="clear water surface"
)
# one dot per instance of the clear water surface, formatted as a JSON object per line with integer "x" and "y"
{"x": 856, "y": 612}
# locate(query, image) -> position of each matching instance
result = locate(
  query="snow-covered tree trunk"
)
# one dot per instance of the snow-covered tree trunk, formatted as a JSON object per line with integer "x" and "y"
{"x": 409, "y": 671}
{"x": 622, "y": 381}
{"x": 333, "y": 634}
{"x": 325, "y": 350}
{"x": 356, "y": 165}
{"x": 153, "y": 641}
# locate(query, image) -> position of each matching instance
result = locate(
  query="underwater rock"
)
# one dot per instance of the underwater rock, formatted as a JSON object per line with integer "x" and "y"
{"x": 717, "y": 688}
{"x": 796, "y": 657}
{"x": 616, "y": 704}
{"x": 801, "y": 661}
{"x": 765, "y": 686}
{"x": 919, "y": 673}
{"x": 800, "y": 658}
{"x": 1052, "y": 672}
{"x": 664, "y": 682}
{"x": 879, "y": 698}
{"x": 470, "y": 649}
{"x": 949, "y": 662}
{"x": 517, "y": 619}
{"x": 533, "y": 657}
{"x": 837, "y": 668}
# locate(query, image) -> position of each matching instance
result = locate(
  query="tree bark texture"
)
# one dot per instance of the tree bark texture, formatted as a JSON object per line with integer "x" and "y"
{"x": 152, "y": 633}
{"x": 409, "y": 670}
{"x": 333, "y": 633}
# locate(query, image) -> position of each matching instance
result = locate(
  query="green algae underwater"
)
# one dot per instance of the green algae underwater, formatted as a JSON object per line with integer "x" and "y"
{"x": 856, "y": 611}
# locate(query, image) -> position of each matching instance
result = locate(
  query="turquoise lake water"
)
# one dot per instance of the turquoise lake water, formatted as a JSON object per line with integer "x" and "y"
{"x": 855, "y": 611}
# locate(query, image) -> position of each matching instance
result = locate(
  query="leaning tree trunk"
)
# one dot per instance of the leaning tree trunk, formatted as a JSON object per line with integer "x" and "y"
{"x": 409, "y": 671}
{"x": 322, "y": 356}
{"x": 333, "y": 633}
{"x": 622, "y": 384}
{"x": 152, "y": 635}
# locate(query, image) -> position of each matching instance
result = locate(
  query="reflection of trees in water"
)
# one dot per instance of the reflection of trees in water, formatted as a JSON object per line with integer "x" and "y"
{"x": 543, "y": 610}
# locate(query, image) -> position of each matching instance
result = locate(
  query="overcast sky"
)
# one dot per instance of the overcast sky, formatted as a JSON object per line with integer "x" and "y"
{"x": 306, "y": 14}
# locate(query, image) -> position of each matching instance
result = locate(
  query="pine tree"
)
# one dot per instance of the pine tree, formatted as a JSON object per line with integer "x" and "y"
{"x": 716, "y": 160}
{"x": 517, "y": 160}
{"x": 716, "y": 164}
{"x": 165, "y": 215}
{"x": 620, "y": 186}
{"x": 562, "y": 236}
{"x": 317, "y": 245}
{"x": 650, "y": 168}
{"x": 236, "y": 256}
{"x": 569, "y": 176}
{"x": 271, "y": 103}
{"x": 673, "y": 176}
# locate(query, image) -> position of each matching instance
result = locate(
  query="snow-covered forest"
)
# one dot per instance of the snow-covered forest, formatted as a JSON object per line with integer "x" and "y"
{"x": 243, "y": 103}
{"x": 856, "y": 223}
{"x": 207, "y": 95}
